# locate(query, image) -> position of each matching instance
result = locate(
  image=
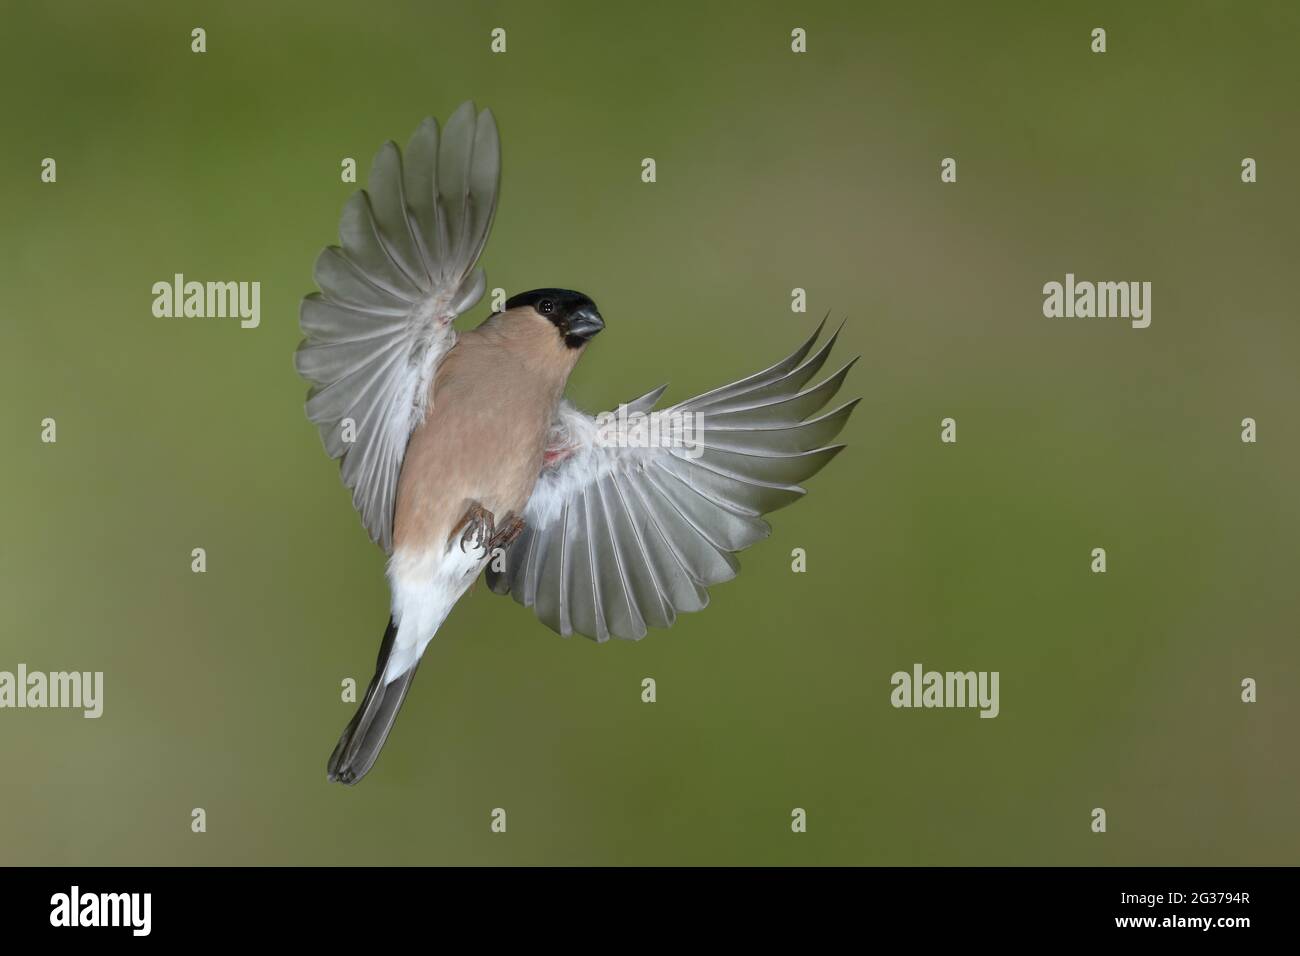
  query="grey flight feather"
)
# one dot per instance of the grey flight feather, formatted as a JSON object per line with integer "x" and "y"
{"x": 618, "y": 539}
{"x": 381, "y": 323}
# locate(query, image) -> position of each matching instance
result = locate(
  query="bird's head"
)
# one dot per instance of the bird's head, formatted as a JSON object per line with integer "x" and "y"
{"x": 573, "y": 315}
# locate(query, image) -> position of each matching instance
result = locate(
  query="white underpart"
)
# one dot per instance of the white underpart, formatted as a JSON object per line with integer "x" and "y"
{"x": 426, "y": 585}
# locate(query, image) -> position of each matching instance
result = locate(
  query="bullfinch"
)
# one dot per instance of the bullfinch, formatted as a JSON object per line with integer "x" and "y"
{"x": 462, "y": 454}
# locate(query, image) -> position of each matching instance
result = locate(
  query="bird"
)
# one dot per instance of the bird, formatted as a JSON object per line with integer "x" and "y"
{"x": 463, "y": 456}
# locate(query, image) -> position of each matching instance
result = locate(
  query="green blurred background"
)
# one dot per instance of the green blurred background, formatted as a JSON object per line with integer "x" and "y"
{"x": 775, "y": 171}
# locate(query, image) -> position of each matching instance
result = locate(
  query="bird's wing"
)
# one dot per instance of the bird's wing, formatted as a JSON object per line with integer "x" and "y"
{"x": 381, "y": 323}
{"x": 637, "y": 511}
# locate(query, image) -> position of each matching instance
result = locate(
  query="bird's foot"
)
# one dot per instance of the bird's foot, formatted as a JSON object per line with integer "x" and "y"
{"x": 477, "y": 528}
{"x": 511, "y": 529}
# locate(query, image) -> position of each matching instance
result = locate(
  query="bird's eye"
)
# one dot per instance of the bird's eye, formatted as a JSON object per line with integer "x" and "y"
{"x": 546, "y": 307}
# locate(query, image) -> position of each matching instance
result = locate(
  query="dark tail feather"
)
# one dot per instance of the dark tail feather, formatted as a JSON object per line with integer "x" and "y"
{"x": 364, "y": 736}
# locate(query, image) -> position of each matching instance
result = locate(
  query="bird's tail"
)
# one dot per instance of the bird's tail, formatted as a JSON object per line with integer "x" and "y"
{"x": 364, "y": 736}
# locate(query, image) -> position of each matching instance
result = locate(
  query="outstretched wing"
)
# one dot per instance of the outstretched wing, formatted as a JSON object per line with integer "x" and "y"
{"x": 637, "y": 512}
{"x": 381, "y": 323}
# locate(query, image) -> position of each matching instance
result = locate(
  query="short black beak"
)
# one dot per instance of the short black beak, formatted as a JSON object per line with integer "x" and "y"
{"x": 584, "y": 323}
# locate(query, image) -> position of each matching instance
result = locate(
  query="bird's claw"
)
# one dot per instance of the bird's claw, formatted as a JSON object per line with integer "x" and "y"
{"x": 479, "y": 530}
{"x": 479, "y": 526}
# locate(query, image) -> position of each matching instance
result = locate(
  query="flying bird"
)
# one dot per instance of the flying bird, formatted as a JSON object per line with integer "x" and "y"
{"x": 462, "y": 453}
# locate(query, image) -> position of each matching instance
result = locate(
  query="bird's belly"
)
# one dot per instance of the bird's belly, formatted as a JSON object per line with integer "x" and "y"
{"x": 425, "y": 586}
{"x": 449, "y": 469}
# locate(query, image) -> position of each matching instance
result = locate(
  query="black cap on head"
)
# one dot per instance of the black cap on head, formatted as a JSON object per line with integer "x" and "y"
{"x": 573, "y": 314}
